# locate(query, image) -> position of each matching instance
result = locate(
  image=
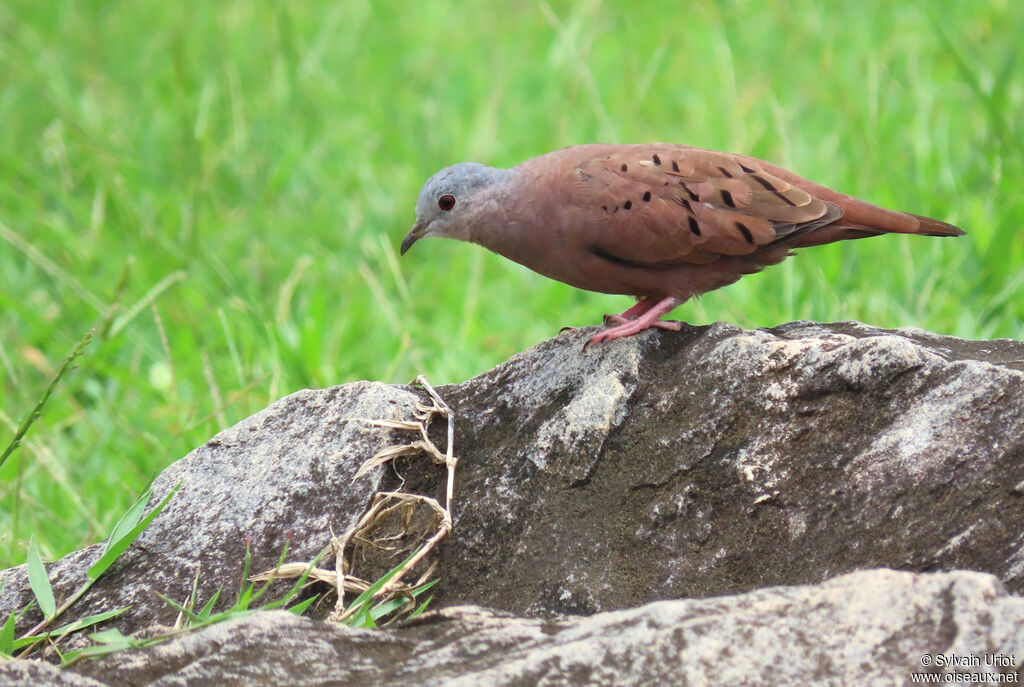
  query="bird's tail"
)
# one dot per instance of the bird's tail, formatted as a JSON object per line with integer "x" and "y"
{"x": 934, "y": 227}
{"x": 861, "y": 219}
{"x": 846, "y": 230}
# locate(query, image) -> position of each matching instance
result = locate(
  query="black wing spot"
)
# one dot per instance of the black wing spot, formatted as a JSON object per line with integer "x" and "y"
{"x": 746, "y": 169}
{"x": 725, "y": 172}
{"x": 627, "y": 205}
{"x": 685, "y": 203}
{"x": 694, "y": 227}
{"x": 746, "y": 232}
{"x": 656, "y": 159}
{"x": 786, "y": 200}
{"x": 675, "y": 166}
{"x": 693, "y": 196}
{"x": 727, "y": 198}
{"x": 624, "y": 167}
{"x": 647, "y": 196}
{"x": 768, "y": 185}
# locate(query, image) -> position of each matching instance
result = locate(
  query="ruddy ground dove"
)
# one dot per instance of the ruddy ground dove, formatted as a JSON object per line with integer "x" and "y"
{"x": 657, "y": 221}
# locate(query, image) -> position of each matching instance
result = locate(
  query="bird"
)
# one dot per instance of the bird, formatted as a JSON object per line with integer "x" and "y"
{"x": 661, "y": 222}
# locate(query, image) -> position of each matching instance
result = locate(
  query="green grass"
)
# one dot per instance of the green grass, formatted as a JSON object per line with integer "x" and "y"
{"x": 218, "y": 189}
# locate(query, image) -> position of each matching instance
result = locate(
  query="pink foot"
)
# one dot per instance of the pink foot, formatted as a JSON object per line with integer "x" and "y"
{"x": 670, "y": 325}
{"x": 648, "y": 312}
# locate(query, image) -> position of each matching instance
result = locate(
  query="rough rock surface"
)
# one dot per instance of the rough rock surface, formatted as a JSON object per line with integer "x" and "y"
{"x": 717, "y": 460}
{"x": 39, "y": 674}
{"x": 665, "y": 466}
{"x": 284, "y": 474}
{"x": 867, "y": 628}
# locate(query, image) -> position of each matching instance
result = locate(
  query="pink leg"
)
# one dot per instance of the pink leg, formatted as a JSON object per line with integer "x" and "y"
{"x": 648, "y": 317}
{"x": 640, "y": 308}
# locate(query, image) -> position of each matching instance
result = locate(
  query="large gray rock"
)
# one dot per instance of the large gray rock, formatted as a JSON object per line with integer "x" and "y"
{"x": 39, "y": 674}
{"x": 717, "y": 460}
{"x": 867, "y": 628}
{"x": 670, "y": 465}
{"x": 281, "y": 476}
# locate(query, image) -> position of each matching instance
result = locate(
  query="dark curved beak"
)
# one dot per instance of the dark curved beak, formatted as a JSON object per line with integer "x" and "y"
{"x": 414, "y": 235}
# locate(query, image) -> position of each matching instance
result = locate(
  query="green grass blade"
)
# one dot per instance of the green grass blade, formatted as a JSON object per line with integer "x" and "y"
{"x": 299, "y": 583}
{"x": 38, "y": 409}
{"x": 190, "y": 602}
{"x": 251, "y": 595}
{"x": 87, "y": 621}
{"x": 382, "y": 580}
{"x": 191, "y": 615}
{"x": 424, "y": 587}
{"x": 242, "y": 588}
{"x": 362, "y": 617}
{"x": 244, "y": 599}
{"x": 381, "y": 610}
{"x": 129, "y": 520}
{"x": 94, "y": 651}
{"x": 79, "y": 624}
{"x": 207, "y": 610}
{"x": 131, "y": 313}
{"x": 7, "y": 637}
{"x": 422, "y": 607}
{"x": 107, "y": 642}
{"x": 111, "y": 636}
{"x": 113, "y": 551}
{"x": 300, "y": 608}
{"x": 39, "y": 581}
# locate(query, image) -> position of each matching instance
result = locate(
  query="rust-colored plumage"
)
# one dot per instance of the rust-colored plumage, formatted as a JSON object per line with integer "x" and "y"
{"x": 657, "y": 221}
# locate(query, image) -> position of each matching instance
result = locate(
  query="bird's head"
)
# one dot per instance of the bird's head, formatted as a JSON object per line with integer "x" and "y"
{"x": 452, "y": 200}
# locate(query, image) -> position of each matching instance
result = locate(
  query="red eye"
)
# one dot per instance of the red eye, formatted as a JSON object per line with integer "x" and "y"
{"x": 446, "y": 202}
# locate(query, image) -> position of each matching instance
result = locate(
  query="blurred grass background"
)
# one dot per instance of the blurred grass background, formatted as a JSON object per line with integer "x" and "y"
{"x": 219, "y": 189}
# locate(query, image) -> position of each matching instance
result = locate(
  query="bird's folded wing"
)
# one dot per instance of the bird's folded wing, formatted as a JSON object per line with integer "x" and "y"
{"x": 663, "y": 207}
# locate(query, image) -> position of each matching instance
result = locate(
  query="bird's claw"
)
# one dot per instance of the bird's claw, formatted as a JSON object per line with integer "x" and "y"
{"x": 626, "y": 328}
